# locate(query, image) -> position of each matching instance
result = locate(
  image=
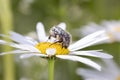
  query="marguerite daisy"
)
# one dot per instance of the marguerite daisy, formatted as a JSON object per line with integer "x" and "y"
{"x": 47, "y": 48}
{"x": 110, "y": 71}
{"x": 112, "y": 29}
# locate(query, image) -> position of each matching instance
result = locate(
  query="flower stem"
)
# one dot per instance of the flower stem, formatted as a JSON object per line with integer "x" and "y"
{"x": 6, "y": 20}
{"x": 51, "y": 69}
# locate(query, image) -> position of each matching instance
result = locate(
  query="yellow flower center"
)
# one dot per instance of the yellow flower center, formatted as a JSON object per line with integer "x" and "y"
{"x": 43, "y": 46}
{"x": 111, "y": 37}
{"x": 118, "y": 78}
{"x": 117, "y": 28}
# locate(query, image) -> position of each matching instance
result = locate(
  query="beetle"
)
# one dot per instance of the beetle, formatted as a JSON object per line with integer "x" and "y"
{"x": 60, "y": 35}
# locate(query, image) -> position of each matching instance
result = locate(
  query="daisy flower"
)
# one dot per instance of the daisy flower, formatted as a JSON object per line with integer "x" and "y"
{"x": 112, "y": 29}
{"x": 110, "y": 71}
{"x": 45, "y": 48}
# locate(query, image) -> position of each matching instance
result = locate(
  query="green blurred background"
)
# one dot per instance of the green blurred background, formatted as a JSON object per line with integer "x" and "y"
{"x": 75, "y": 13}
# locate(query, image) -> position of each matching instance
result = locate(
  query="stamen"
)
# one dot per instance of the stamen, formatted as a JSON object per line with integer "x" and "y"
{"x": 59, "y": 49}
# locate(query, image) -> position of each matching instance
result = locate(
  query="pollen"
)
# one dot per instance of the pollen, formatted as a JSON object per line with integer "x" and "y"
{"x": 60, "y": 50}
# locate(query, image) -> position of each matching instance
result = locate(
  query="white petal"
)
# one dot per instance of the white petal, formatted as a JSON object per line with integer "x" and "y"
{"x": 31, "y": 55}
{"x": 41, "y": 32}
{"x": 110, "y": 64}
{"x": 90, "y": 28}
{"x": 25, "y": 47}
{"x": 3, "y": 35}
{"x": 80, "y": 59}
{"x": 90, "y": 74}
{"x": 92, "y": 42}
{"x": 14, "y": 52}
{"x": 93, "y": 54}
{"x": 2, "y": 42}
{"x": 20, "y": 39}
{"x": 62, "y": 25}
{"x": 88, "y": 40}
{"x": 32, "y": 40}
